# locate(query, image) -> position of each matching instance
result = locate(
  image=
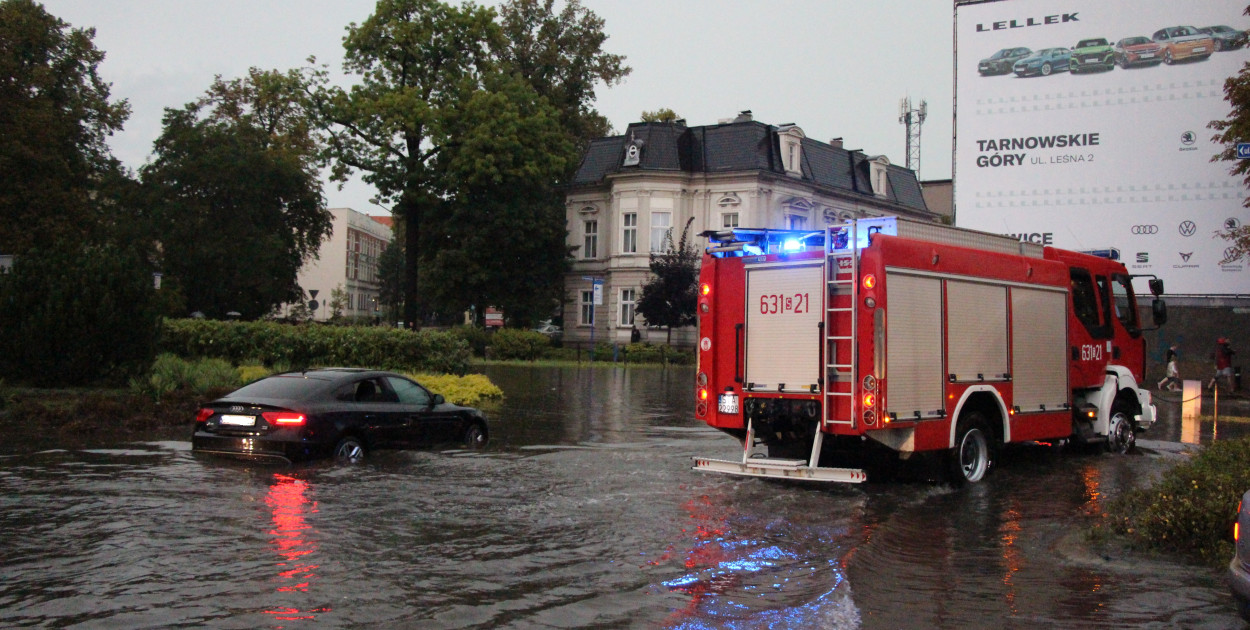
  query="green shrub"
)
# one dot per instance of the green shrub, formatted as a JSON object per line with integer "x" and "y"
{"x": 77, "y": 314}
{"x": 516, "y": 344}
{"x": 170, "y": 374}
{"x": 249, "y": 373}
{"x": 470, "y": 389}
{"x": 1191, "y": 509}
{"x": 315, "y": 345}
{"x": 477, "y": 338}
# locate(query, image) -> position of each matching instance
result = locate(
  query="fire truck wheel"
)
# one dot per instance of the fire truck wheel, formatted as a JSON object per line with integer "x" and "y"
{"x": 970, "y": 459}
{"x": 1120, "y": 436}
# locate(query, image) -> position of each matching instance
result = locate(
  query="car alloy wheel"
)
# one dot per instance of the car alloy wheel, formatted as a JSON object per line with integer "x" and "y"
{"x": 1045, "y": 69}
{"x": 349, "y": 449}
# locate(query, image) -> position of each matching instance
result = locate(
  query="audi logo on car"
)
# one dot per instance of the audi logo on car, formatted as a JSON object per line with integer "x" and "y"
{"x": 1145, "y": 229}
{"x": 1188, "y": 228}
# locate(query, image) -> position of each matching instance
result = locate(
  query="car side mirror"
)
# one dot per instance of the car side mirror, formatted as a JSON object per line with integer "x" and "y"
{"x": 1156, "y": 286}
{"x": 1159, "y": 311}
{"x": 438, "y": 398}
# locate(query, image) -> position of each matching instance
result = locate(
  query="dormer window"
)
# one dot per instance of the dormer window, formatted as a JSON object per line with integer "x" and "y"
{"x": 791, "y": 140}
{"x": 878, "y": 175}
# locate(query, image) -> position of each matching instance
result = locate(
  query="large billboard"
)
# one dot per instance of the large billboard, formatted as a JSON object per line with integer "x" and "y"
{"x": 1083, "y": 124}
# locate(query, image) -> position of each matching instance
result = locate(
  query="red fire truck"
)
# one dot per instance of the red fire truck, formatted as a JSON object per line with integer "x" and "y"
{"x": 883, "y": 338}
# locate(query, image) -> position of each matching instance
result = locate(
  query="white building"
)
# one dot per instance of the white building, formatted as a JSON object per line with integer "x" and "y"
{"x": 631, "y": 190}
{"x": 348, "y": 261}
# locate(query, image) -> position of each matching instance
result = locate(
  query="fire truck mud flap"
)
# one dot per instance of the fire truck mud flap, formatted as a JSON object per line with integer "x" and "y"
{"x": 772, "y": 468}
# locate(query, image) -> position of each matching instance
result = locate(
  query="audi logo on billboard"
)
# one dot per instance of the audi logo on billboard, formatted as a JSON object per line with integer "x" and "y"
{"x": 1145, "y": 229}
{"x": 1187, "y": 228}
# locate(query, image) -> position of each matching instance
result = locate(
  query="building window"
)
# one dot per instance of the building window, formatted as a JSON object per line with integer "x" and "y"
{"x": 628, "y": 300}
{"x": 629, "y": 235}
{"x": 729, "y": 220}
{"x": 588, "y": 308}
{"x": 590, "y": 248}
{"x": 795, "y": 222}
{"x": 661, "y": 230}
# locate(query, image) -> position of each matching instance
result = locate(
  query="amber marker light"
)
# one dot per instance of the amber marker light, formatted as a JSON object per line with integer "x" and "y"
{"x": 705, "y": 289}
{"x": 870, "y": 400}
{"x": 870, "y": 281}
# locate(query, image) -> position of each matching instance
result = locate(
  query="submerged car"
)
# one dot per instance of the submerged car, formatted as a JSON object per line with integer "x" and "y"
{"x": 339, "y": 412}
{"x": 1043, "y": 62}
{"x": 1092, "y": 54}
{"x": 1239, "y": 568}
{"x": 1002, "y": 61}
{"x": 1224, "y": 37}
{"x": 1183, "y": 42}
{"x": 1137, "y": 51}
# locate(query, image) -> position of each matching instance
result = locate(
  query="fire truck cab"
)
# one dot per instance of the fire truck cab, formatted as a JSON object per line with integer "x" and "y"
{"x": 882, "y": 338}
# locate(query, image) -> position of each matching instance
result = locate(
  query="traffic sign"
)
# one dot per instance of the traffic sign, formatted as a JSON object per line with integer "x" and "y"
{"x": 1243, "y": 150}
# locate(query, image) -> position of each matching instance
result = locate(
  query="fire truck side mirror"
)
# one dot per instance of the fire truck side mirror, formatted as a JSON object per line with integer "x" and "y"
{"x": 1156, "y": 286}
{"x": 1159, "y": 311}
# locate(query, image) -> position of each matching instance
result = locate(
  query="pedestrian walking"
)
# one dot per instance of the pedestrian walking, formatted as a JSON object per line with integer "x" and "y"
{"x": 1172, "y": 380}
{"x": 1223, "y": 364}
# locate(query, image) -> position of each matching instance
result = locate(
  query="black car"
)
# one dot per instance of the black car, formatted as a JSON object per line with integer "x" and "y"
{"x": 338, "y": 412}
{"x": 1239, "y": 568}
{"x": 1002, "y": 61}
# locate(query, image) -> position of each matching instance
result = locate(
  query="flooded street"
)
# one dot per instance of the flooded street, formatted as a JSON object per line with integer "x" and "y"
{"x": 582, "y": 512}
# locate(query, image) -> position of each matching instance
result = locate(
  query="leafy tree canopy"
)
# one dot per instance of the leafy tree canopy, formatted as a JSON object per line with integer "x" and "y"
{"x": 664, "y": 115}
{"x": 1232, "y": 131}
{"x": 55, "y": 116}
{"x": 670, "y": 297}
{"x": 561, "y": 55}
{"x": 236, "y": 195}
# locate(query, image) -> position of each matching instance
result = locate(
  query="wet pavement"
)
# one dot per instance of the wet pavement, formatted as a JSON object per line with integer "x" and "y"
{"x": 582, "y": 512}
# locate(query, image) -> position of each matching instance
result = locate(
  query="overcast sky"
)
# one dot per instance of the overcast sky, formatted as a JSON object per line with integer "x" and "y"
{"x": 835, "y": 68}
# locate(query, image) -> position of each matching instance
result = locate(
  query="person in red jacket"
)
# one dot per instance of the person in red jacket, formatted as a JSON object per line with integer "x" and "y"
{"x": 1223, "y": 363}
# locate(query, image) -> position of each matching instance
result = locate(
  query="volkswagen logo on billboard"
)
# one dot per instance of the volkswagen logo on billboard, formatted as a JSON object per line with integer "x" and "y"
{"x": 1230, "y": 255}
{"x": 1145, "y": 229}
{"x": 1187, "y": 228}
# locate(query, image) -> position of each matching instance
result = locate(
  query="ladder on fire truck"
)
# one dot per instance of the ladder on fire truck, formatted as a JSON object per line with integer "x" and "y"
{"x": 841, "y": 298}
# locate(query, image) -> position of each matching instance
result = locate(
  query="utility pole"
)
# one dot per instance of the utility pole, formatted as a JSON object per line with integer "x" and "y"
{"x": 912, "y": 119}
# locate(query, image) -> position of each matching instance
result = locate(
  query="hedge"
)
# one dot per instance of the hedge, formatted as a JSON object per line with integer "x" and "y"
{"x": 310, "y": 345}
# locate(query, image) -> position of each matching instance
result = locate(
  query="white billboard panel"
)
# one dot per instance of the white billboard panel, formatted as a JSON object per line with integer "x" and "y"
{"x": 1104, "y": 157}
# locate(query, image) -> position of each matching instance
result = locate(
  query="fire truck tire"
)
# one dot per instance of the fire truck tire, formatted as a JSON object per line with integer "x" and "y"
{"x": 1121, "y": 438}
{"x": 972, "y": 456}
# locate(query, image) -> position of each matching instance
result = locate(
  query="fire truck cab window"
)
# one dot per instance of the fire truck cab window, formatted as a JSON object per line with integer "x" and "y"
{"x": 1125, "y": 310}
{"x": 1085, "y": 298}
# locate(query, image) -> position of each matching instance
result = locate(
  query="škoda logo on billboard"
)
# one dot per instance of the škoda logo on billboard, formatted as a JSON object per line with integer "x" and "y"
{"x": 1000, "y": 151}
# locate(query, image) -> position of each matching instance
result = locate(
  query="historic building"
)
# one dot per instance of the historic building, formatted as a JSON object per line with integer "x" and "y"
{"x": 631, "y": 190}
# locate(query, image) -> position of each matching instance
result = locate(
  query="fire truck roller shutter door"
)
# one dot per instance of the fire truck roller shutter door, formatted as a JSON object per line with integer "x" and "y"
{"x": 914, "y": 378}
{"x": 977, "y": 331}
{"x": 1039, "y": 345}
{"x": 783, "y": 334}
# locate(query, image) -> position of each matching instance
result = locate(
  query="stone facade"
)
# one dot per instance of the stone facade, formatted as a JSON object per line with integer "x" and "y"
{"x": 631, "y": 190}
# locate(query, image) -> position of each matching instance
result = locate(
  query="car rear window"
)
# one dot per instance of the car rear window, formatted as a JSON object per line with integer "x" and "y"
{"x": 288, "y": 387}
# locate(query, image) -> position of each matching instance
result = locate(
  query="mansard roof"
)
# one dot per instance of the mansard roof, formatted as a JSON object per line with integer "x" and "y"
{"x": 743, "y": 145}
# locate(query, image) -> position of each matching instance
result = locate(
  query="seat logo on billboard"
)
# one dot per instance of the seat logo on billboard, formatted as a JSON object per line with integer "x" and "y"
{"x": 1187, "y": 228}
{"x": 1145, "y": 229}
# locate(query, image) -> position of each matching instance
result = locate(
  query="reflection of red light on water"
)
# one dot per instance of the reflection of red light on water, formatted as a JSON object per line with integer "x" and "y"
{"x": 288, "y": 505}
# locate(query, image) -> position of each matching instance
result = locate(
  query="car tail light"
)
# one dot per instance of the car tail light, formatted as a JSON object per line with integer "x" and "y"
{"x": 204, "y": 414}
{"x": 283, "y": 418}
{"x": 1237, "y": 525}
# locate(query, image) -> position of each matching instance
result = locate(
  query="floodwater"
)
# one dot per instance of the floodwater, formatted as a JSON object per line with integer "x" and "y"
{"x": 582, "y": 513}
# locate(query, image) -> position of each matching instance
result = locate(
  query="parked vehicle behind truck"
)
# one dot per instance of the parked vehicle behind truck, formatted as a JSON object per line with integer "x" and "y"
{"x": 880, "y": 339}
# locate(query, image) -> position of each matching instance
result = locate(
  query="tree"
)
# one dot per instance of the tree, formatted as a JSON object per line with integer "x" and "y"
{"x": 391, "y": 276}
{"x": 663, "y": 115}
{"x": 670, "y": 297}
{"x": 76, "y": 313}
{"x": 561, "y": 56}
{"x": 500, "y": 239}
{"x": 236, "y": 195}
{"x": 419, "y": 60}
{"x": 1234, "y": 130}
{"x": 55, "y": 115}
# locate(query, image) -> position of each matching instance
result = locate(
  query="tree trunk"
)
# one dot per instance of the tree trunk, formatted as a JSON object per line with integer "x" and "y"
{"x": 411, "y": 210}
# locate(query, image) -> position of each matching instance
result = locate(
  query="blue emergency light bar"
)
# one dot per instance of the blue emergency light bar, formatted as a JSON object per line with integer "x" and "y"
{"x": 1110, "y": 253}
{"x": 760, "y": 241}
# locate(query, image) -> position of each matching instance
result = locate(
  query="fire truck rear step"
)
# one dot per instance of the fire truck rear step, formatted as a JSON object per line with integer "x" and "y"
{"x": 780, "y": 469}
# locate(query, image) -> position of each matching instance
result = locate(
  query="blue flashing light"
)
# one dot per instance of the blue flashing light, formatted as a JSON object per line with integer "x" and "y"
{"x": 792, "y": 245}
